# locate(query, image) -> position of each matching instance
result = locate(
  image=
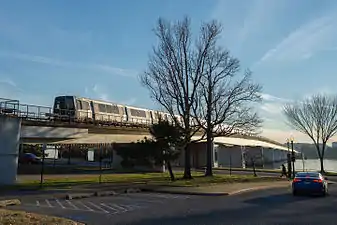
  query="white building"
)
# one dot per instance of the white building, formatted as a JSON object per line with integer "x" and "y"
{"x": 334, "y": 144}
{"x": 236, "y": 152}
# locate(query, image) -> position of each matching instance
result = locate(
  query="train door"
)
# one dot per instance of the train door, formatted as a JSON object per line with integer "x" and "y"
{"x": 127, "y": 116}
{"x": 93, "y": 111}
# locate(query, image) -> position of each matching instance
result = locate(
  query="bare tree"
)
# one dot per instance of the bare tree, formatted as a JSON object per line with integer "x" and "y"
{"x": 315, "y": 117}
{"x": 174, "y": 73}
{"x": 252, "y": 158}
{"x": 224, "y": 104}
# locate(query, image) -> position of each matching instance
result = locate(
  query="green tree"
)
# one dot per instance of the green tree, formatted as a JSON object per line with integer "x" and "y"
{"x": 169, "y": 141}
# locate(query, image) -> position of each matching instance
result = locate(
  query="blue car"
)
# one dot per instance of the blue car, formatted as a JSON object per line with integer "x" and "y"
{"x": 309, "y": 183}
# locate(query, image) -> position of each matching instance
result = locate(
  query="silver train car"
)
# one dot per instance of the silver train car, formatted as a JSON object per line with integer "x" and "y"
{"x": 81, "y": 109}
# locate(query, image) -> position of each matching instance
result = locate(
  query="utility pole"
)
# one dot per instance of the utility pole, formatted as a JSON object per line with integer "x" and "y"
{"x": 293, "y": 155}
{"x": 289, "y": 159}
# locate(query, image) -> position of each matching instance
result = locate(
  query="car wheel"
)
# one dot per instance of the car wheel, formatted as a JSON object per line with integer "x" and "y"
{"x": 294, "y": 193}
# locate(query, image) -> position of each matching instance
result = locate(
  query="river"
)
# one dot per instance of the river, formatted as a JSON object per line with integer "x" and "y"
{"x": 314, "y": 164}
{"x": 308, "y": 165}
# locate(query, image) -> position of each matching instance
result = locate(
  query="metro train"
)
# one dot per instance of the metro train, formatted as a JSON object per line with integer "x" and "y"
{"x": 81, "y": 109}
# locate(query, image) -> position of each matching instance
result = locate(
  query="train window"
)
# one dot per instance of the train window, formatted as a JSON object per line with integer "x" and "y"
{"x": 78, "y": 104}
{"x": 138, "y": 113}
{"x": 70, "y": 104}
{"x": 101, "y": 108}
{"x": 115, "y": 109}
{"x": 85, "y": 105}
{"x": 108, "y": 109}
{"x": 59, "y": 103}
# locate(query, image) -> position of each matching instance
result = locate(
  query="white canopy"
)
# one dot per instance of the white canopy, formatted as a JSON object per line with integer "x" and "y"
{"x": 245, "y": 142}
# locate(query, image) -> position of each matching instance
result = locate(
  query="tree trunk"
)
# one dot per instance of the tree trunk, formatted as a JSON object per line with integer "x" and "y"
{"x": 254, "y": 169}
{"x": 169, "y": 167}
{"x": 322, "y": 164}
{"x": 209, "y": 149}
{"x": 187, "y": 171}
{"x": 209, "y": 156}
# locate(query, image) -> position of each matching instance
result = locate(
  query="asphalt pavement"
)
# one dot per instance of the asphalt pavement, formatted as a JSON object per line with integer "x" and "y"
{"x": 272, "y": 206}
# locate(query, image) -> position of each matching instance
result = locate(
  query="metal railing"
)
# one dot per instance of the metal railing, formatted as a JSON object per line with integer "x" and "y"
{"x": 38, "y": 113}
{"x": 9, "y": 107}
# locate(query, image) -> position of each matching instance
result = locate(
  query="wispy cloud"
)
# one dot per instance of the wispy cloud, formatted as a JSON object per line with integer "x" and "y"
{"x": 318, "y": 35}
{"x": 260, "y": 14}
{"x": 62, "y": 63}
{"x": 8, "y": 81}
{"x": 99, "y": 92}
{"x": 268, "y": 97}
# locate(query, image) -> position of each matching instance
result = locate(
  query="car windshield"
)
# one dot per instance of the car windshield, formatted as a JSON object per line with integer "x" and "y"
{"x": 313, "y": 175}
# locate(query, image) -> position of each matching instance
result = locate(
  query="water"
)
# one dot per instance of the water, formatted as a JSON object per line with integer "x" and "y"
{"x": 307, "y": 165}
{"x": 314, "y": 164}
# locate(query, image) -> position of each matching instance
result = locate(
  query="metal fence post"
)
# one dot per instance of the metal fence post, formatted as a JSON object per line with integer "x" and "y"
{"x": 42, "y": 164}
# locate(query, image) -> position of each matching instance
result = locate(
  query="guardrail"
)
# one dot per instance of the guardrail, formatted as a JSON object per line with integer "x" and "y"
{"x": 38, "y": 113}
{"x": 9, "y": 107}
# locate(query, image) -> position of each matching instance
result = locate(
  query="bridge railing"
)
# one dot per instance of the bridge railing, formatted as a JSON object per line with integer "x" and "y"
{"x": 35, "y": 112}
{"x": 9, "y": 107}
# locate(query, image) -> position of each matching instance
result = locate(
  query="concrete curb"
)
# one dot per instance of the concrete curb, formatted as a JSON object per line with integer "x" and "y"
{"x": 212, "y": 194}
{"x": 78, "y": 196}
{"x": 185, "y": 192}
{"x": 102, "y": 193}
{"x": 9, "y": 202}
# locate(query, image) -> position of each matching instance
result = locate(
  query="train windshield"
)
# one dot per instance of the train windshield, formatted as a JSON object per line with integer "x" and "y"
{"x": 64, "y": 102}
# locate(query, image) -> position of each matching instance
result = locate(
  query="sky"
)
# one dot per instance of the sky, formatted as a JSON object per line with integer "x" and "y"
{"x": 97, "y": 49}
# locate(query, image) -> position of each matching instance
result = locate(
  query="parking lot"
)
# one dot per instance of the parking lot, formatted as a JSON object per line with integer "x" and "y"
{"x": 108, "y": 205}
{"x": 98, "y": 210}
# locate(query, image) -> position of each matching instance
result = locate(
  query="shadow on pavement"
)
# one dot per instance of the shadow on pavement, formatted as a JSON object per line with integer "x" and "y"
{"x": 272, "y": 208}
{"x": 279, "y": 199}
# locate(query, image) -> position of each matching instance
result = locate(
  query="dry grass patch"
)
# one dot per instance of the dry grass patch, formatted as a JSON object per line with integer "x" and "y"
{"x": 9, "y": 217}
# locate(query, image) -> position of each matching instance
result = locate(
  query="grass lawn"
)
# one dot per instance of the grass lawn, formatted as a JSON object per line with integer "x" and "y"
{"x": 139, "y": 178}
{"x": 9, "y": 217}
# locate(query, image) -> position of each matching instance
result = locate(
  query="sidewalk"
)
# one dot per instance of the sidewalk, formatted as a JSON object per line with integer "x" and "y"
{"x": 218, "y": 190}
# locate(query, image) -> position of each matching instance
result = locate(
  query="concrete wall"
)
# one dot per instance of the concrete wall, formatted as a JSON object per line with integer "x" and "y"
{"x": 9, "y": 148}
{"x": 52, "y": 132}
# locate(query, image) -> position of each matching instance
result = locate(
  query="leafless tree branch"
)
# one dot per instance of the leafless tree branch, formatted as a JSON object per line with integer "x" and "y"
{"x": 224, "y": 103}
{"x": 175, "y": 71}
{"x": 316, "y": 117}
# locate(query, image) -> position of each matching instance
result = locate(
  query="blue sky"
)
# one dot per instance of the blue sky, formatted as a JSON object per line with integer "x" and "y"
{"x": 97, "y": 48}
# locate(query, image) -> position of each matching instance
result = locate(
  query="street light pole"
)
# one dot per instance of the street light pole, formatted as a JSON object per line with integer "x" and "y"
{"x": 289, "y": 159}
{"x": 293, "y": 156}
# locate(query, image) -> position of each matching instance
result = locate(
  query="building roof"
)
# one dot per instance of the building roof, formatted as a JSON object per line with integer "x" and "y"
{"x": 104, "y": 139}
{"x": 245, "y": 142}
{"x": 127, "y": 138}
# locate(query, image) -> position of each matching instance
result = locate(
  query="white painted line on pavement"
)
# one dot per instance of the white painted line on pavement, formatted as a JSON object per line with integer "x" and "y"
{"x": 133, "y": 199}
{"x": 119, "y": 207}
{"x": 96, "y": 206}
{"x": 74, "y": 206}
{"x": 242, "y": 190}
{"x": 37, "y": 203}
{"x": 58, "y": 202}
{"x": 131, "y": 207}
{"x": 81, "y": 203}
{"x": 109, "y": 207}
{"x": 48, "y": 203}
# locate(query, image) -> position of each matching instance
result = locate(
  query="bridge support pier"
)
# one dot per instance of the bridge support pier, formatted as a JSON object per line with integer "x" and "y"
{"x": 10, "y": 128}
